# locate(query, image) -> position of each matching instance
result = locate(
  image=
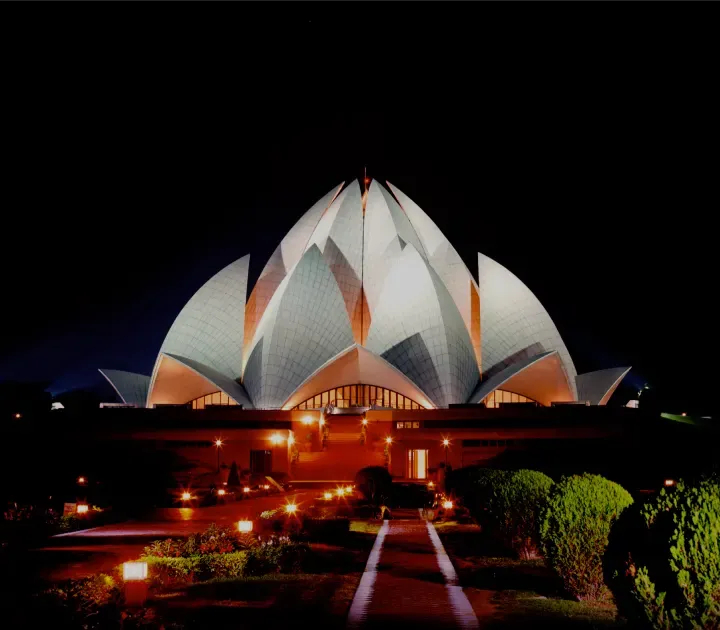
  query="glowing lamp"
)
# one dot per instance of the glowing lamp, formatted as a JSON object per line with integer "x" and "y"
{"x": 339, "y": 491}
{"x": 246, "y": 489}
{"x": 388, "y": 440}
{"x": 266, "y": 486}
{"x": 82, "y": 508}
{"x": 221, "y": 492}
{"x": 291, "y": 440}
{"x": 322, "y": 422}
{"x": 348, "y": 489}
{"x": 328, "y": 496}
{"x": 186, "y": 496}
{"x": 81, "y": 480}
{"x": 245, "y": 527}
{"x": 135, "y": 571}
{"x": 218, "y": 443}
{"x": 431, "y": 485}
{"x": 290, "y": 508}
{"x": 276, "y": 438}
{"x": 684, "y": 414}
{"x": 668, "y": 483}
{"x": 17, "y": 416}
{"x": 307, "y": 420}
{"x": 448, "y": 505}
{"x": 364, "y": 421}
{"x": 446, "y": 442}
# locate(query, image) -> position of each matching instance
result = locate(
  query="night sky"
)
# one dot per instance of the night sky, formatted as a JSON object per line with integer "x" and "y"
{"x": 129, "y": 180}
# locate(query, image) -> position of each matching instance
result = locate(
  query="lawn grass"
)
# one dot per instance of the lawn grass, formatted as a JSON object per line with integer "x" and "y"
{"x": 507, "y": 592}
{"x": 365, "y": 527}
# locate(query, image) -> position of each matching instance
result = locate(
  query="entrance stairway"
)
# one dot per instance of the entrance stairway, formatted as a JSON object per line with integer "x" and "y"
{"x": 343, "y": 456}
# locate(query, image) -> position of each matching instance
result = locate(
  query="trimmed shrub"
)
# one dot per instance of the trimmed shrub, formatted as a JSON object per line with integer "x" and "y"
{"x": 167, "y": 570}
{"x": 663, "y": 560}
{"x": 278, "y": 554}
{"x": 516, "y": 506}
{"x": 575, "y": 527}
{"x": 374, "y": 482}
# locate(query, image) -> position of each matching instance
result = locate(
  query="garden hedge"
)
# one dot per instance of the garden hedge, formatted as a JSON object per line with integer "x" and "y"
{"x": 575, "y": 527}
{"x": 663, "y": 560}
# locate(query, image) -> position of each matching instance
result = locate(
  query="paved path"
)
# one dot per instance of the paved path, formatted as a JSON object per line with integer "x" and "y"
{"x": 409, "y": 581}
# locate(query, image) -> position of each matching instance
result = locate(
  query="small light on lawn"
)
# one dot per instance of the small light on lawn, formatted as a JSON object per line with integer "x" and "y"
{"x": 186, "y": 496}
{"x": 291, "y": 508}
{"x": 348, "y": 490}
{"x": 448, "y": 505}
{"x": 364, "y": 421}
{"x": 339, "y": 491}
{"x": 328, "y": 496}
{"x": 245, "y": 526}
{"x": 81, "y": 480}
{"x": 266, "y": 486}
{"x": 431, "y": 485}
{"x": 388, "y": 440}
{"x": 17, "y": 416}
{"x": 82, "y": 508}
{"x": 669, "y": 482}
{"x": 246, "y": 489}
{"x": 221, "y": 492}
{"x": 135, "y": 571}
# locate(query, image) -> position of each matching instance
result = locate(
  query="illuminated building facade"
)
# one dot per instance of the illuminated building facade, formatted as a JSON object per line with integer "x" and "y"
{"x": 364, "y": 308}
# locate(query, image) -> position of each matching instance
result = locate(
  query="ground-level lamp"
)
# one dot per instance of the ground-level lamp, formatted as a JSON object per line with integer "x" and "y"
{"x": 245, "y": 526}
{"x": 218, "y": 445}
{"x": 82, "y": 508}
{"x": 291, "y": 508}
{"x": 136, "y": 589}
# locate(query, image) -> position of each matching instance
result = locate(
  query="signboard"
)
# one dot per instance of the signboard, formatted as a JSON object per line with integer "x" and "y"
{"x": 69, "y": 508}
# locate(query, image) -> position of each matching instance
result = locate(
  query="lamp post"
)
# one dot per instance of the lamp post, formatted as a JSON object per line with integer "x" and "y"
{"x": 218, "y": 445}
{"x": 446, "y": 444}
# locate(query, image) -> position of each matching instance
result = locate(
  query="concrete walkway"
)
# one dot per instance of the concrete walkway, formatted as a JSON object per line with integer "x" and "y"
{"x": 409, "y": 581}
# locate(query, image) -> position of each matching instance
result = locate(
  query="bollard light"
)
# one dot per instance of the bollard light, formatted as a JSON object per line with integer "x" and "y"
{"x": 135, "y": 571}
{"x": 339, "y": 491}
{"x": 448, "y": 505}
{"x": 245, "y": 527}
{"x": 348, "y": 489}
{"x": 221, "y": 492}
{"x": 266, "y": 486}
{"x": 81, "y": 481}
{"x": 328, "y": 496}
{"x": 388, "y": 440}
{"x": 82, "y": 508}
{"x": 246, "y": 489}
{"x": 186, "y": 496}
{"x": 364, "y": 421}
{"x": 290, "y": 508}
{"x": 669, "y": 482}
{"x": 276, "y": 438}
{"x": 431, "y": 485}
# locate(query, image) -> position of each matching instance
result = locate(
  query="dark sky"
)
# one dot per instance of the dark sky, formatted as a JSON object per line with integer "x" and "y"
{"x": 130, "y": 178}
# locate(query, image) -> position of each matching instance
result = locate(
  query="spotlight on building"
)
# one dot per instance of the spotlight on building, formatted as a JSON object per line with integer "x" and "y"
{"x": 245, "y": 527}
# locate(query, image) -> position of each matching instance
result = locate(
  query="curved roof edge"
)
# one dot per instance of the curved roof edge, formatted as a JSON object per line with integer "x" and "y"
{"x": 597, "y": 387}
{"x": 487, "y": 387}
{"x": 357, "y": 364}
{"x": 130, "y": 386}
{"x": 192, "y": 380}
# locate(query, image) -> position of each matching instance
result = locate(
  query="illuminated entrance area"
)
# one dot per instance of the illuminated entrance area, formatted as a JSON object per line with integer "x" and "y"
{"x": 417, "y": 463}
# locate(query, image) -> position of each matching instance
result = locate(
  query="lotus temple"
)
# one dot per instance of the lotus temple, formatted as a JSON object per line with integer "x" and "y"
{"x": 365, "y": 341}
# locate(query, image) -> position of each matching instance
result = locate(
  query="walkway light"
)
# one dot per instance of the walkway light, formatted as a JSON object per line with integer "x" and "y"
{"x": 322, "y": 422}
{"x": 431, "y": 485}
{"x": 245, "y": 527}
{"x": 327, "y": 496}
{"x": 340, "y": 491}
{"x": 266, "y": 486}
{"x": 446, "y": 442}
{"x": 222, "y": 492}
{"x": 218, "y": 443}
{"x": 246, "y": 489}
{"x": 290, "y": 508}
{"x": 307, "y": 420}
{"x": 448, "y": 505}
{"x": 291, "y": 440}
{"x": 18, "y": 416}
{"x": 276, "y": 438}
{"x": 348, "y": 489}
{"x": 364, "y": 421}
{"x": 135, "y": 571}
{"x": 388, "y": 440}
{"x": 186, "y": 496}
{"x": 82, "y": 508}
{"x": 81, "y": 481}
{"x": 669, "y": 483}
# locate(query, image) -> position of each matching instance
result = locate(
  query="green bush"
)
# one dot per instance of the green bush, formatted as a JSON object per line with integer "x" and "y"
{"x": 575, "y": 527}
{"x": 277, "y": 554}
{"x": 168, "y": 570}
{"x": 213, "y": 540}
{"x": 516, "y": 505}
{"x": 663, "y": 560}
